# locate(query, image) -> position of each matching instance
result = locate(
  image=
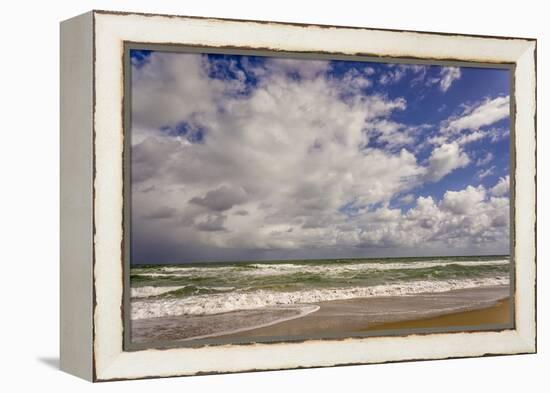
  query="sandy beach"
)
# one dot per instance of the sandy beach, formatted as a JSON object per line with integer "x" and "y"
{"x": 496, "y": 314}
{"x": 449, "y": 309}
{"x": 475, "y": 307}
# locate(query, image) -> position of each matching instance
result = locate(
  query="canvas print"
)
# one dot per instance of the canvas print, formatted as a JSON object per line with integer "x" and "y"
{"x": 277, "y": 198}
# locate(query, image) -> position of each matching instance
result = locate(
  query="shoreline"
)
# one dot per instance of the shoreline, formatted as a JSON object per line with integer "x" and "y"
{"x": 300, "y": 314}
{"x": 428, "y": 310}
{"x": 464, "y": 307}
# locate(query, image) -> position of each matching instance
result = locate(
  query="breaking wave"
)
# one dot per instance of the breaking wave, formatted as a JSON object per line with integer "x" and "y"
{"x": 215, "y": 303}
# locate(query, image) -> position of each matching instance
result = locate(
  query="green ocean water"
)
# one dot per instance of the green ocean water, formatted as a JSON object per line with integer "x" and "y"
{"x": 210, "y": 288}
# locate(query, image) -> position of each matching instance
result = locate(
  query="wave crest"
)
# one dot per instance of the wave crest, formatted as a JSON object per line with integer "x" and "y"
{"x": 233, "y": 301}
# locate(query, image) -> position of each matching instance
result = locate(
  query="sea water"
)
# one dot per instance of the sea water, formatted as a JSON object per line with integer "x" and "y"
{"x": 215, "y": 288}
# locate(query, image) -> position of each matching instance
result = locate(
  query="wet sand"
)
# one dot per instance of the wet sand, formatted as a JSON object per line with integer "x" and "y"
{"x": 466, "y": 307}
{"x": 185, "y": 327}
{"x": 497, "y": 314}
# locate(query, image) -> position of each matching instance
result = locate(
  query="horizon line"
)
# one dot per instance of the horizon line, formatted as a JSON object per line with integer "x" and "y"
{"x": 318, "y": 259}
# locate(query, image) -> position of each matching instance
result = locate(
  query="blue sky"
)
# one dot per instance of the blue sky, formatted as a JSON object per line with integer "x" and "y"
{"x": 246, "y": 157}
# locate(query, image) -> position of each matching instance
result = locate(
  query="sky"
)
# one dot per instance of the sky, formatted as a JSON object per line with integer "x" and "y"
{"x": 237, "y": 158}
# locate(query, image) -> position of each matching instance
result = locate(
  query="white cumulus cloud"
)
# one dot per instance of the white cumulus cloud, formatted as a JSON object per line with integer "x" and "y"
{"x": 485, "y": 113}
{"x": 448, "y": 76}
{"x": 444, "y": 159}
{"x": 301, "y": 164}
{"x": 502, "y": 187}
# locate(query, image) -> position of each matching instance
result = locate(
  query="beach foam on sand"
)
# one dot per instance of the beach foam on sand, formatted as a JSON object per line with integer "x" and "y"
{"x": 464, "y": 307}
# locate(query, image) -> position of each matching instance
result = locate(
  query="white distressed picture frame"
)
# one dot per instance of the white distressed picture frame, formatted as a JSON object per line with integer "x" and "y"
{"x": 92, "y": 148}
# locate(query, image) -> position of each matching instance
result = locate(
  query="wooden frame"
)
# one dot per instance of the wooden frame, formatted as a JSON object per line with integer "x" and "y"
{"x": 92, "y": 189}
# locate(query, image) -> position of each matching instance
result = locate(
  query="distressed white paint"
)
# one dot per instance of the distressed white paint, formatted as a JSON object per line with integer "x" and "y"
{"x": 112, "y": 30}
{"x": 76, "y": 308}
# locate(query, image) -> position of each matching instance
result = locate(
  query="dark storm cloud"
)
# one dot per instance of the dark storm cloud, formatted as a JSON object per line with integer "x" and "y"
{"x": 222, "y": 198}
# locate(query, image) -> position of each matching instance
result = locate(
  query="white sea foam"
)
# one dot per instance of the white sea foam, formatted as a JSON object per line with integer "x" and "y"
{"x": 274, "y": 269}
{"x": 232, "y": 301}
{"x": 302, "y": 310}
{"x": 149, "y": 291}
{"x": 266, "y": 269}
{"x": 142, "y": 292}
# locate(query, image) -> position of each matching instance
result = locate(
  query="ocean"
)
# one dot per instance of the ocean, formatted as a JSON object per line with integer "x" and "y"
{"x": 210, "y": 289}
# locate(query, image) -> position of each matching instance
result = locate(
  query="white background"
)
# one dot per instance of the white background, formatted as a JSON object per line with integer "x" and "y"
{"x": 29, "y": 196}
